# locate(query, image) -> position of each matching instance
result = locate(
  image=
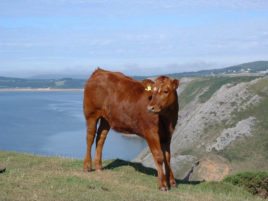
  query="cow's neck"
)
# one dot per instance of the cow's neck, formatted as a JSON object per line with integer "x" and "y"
{"x": 170, "y": 115}
{"x": 172, "y": 109}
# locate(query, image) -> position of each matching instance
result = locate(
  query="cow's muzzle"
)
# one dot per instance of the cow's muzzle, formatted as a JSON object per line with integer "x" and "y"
{"x": 154, "y": 109}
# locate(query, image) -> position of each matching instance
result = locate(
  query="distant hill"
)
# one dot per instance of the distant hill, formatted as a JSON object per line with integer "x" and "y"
{"x": 256, "y": 67}
{"x": 54, "y": 82}
{"x": 64, "y": 83}
{"x": 56, "y": 76}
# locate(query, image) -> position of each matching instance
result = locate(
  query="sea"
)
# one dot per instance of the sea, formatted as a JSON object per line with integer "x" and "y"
{"x": 51, "y": 123}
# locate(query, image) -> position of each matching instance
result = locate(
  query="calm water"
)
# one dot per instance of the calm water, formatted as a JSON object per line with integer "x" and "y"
{"x": 52, "y": 123}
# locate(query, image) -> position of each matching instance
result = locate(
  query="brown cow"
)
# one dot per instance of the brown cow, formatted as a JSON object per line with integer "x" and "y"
{"x": 148, "y": 109}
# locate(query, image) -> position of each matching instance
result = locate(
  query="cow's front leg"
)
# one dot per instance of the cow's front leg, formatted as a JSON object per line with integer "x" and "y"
{"x": 155, "y": 147}
{"x": 169, "y": 172}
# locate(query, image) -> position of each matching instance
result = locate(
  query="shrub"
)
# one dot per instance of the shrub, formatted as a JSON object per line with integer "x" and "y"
{"x": 254, "y": 182}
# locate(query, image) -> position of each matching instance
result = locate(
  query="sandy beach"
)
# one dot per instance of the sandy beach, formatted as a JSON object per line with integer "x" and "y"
{"x": 36, "y": 89}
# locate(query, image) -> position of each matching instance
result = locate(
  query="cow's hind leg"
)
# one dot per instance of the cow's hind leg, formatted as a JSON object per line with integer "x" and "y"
{"x": 101, "y": 136}
{"x": 91, "y": 131}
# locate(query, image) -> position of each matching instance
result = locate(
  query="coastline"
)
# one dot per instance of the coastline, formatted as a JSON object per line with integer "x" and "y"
{"x": 39, "y": 90}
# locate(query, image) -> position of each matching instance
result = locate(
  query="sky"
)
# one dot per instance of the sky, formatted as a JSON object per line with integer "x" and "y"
{"x": 136, "y": 37}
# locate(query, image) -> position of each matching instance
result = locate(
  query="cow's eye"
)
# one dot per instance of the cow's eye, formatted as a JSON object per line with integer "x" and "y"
{"x": 166, "y": 91}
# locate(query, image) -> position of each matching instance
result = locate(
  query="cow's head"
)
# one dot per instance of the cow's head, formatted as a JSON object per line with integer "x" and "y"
{"x": 163, "y": 93}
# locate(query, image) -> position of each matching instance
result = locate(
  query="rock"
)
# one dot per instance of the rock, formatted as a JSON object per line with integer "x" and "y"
{"x": 182, "y": 164}
{"x": 228, "y": 135}
{"x": 2, "y": 169}
{"x": 212, "y": 168}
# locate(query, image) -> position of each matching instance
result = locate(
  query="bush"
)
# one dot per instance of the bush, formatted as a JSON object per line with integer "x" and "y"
{"x": 254, "y": 182}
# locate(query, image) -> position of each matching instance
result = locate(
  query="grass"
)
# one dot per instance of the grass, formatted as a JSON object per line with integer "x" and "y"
{"x": 31, "y": 177}
{"x": 254, "y": 182}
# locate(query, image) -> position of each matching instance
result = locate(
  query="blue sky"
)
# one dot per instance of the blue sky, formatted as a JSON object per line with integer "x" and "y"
{"x": 136, "y": 37}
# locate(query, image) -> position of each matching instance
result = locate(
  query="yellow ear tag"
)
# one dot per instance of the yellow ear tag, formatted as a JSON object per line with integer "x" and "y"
{"x": 148, "y": 88}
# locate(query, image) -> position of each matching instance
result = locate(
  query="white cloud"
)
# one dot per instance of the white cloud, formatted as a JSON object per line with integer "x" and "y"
{"x": 146, "y": 36}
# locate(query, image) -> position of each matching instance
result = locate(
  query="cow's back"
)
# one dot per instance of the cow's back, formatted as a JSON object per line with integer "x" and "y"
{"x": 118, "y": 98}
{"x": 104, "y": 86}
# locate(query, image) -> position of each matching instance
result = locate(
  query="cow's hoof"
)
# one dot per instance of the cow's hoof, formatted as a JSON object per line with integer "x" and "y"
{"x": 173, "y": 184}
{"x": 163, "y": 188}
{"x": 98, "y": 170}
{"x": 87, "y": 169}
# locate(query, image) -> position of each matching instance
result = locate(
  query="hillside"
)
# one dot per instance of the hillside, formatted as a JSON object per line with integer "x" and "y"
{"x": 222, "y": 128}
{"x": 32, "y": 178}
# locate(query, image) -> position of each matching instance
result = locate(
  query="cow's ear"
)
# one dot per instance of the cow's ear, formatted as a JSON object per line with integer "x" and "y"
{"x": 175, "y": 83}
{"x": 148, "y": 84}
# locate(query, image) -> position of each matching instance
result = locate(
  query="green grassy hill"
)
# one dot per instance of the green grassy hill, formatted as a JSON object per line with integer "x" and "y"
{"x": 31, "y": 177}
{"x": 245, "y": 152}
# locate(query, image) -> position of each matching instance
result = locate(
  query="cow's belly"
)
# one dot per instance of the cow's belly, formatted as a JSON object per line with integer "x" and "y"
{"x": 125, "y": 123}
